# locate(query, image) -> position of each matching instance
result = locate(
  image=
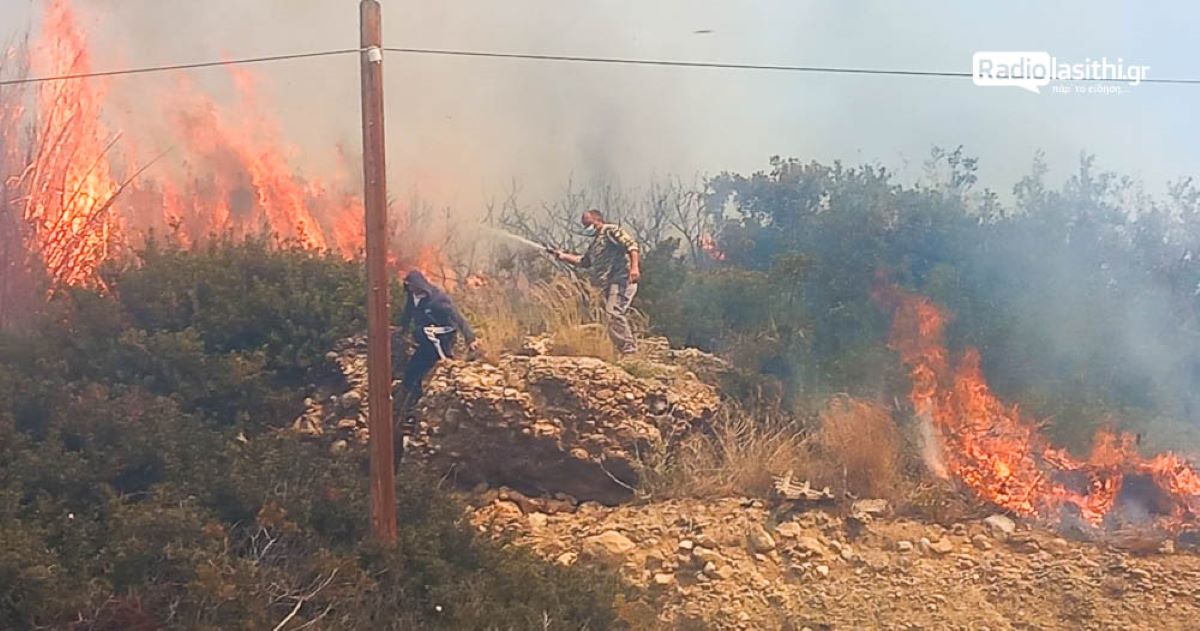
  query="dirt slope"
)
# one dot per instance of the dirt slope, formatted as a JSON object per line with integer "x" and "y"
{"x": 707, "y": 564}
{"x": 569, "y": 429}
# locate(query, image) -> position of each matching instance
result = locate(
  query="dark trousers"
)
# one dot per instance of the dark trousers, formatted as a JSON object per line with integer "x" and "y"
{"x": 423, "y": 359}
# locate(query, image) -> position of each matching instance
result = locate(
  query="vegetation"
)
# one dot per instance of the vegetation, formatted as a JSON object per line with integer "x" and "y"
{"x": 566, "y": 311}
{"x": 1083, "y": 299}
{"x": 144, "y": 484}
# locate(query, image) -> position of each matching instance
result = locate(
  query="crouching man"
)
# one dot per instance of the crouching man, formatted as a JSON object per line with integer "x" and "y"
{"x": 434, "y": 322}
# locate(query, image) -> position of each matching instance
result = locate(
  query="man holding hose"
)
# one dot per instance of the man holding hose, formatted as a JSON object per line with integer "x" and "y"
{"x": 615, "y": 264}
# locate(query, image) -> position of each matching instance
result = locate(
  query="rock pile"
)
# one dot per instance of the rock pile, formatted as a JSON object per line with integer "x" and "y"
{"x": 337, "y": 411}
{"x": 542, "y": 424}
{"x": 548, "y": 424}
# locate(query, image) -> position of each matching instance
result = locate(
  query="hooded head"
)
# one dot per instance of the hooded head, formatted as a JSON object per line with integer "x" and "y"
{"x": 416, "y": 284}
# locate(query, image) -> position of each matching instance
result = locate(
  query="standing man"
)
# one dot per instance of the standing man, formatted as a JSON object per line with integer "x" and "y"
{"x": 615, "y": 264}
{"x": 434, "y": 321}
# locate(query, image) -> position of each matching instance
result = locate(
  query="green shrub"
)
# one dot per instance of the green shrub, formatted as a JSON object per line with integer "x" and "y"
{"x": 128, "y": 500}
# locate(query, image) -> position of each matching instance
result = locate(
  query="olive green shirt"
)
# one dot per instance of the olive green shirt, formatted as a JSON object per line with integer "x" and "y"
{"x": 608, "y": 255}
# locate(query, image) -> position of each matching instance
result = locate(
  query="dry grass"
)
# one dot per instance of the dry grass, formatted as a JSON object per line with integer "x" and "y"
{"x": 738, "y": 456}
{"x": 588, "y": 340}
{"x": 567, "y": 309}
{"x": 856, "y": 451}
{"x": 500, "y": 317}
{"x": 861, "y": 449}
{"x": 573, "y": 313}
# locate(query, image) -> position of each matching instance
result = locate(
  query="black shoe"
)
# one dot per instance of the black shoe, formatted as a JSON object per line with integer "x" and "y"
{"x": 408, "y": 427}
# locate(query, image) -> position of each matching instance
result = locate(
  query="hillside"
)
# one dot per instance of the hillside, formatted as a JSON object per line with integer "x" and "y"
{"x": 545, "y": 449}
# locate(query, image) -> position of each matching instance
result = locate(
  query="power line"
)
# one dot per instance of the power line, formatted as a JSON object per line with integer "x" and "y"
{"x": 187, "y": 66}
{"x": 676, "y": 63}
{"x": 715, "y": 64}
{"x": 629, "y": 61}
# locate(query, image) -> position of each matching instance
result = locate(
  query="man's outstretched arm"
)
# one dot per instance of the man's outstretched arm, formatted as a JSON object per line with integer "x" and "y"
{"x": 464, "y": 327}
{"x": 577, "y": 260}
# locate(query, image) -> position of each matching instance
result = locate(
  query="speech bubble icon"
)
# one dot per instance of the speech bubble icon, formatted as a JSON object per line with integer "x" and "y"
{"x": 1028, "y": 70}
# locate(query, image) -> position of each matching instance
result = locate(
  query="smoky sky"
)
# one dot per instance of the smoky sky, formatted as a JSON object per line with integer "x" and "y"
{"x": 462, "y": 130}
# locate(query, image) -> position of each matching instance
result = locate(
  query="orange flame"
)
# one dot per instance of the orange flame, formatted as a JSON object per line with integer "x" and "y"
{"x": 709, "y": 246}
{"x": 999, "y": 453}
{"x": 69, "y": 186}
{"x": 237, "y": 177}
{"x": 229, "y": 172}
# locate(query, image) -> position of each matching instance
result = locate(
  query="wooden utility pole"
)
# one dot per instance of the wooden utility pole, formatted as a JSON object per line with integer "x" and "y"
{"x": 379, "y": 347}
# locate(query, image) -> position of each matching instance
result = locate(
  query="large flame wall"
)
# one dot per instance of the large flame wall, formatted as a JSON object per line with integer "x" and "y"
{"x": 227, "y": 169}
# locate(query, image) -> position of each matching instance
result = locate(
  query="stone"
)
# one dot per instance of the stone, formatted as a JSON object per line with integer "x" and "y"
{"x": 339, "y": 446}
{"x": 347, "y": 424}
{"x": 506, "y": 510}
{"x": 904, "y": 546}
{"x": 1139, "y": 573}
{"x": 982, "y": 542}
{"x": 537, "y": 520}
{"x": 704, "y": 555}
{"x": 1027, "y": 546}
{"x": 608, "y": 545}
{"x": 664, "y": 579}
{"x": 351, "y": 400}
{"x": 877, "y": 560}
{"x": 1001, "y": 526}
{"x": 686, "y": 545}
{"x": 941, "y": 547}
{"x": 789, "y": 530}
{"x": 873, "y": 507}
{"x": 759, "y": 539}
{"x": 810, "y": 546}
{"x": 1057, "y": 545}
{"x": 823, "y": 570}
{"x": 567, "y": 558}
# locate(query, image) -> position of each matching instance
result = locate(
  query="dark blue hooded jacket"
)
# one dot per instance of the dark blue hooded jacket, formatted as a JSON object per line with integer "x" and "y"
{"x": 436, "y": 309}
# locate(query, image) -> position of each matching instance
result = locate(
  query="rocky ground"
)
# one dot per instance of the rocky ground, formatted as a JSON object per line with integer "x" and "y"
{"x": 547, "y": 450}
{"x": 544, "y": 424}
{"x": 728, "y": 564}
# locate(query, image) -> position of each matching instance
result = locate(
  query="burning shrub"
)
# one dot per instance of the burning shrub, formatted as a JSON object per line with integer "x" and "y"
{"x": 1001, "y": 454}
